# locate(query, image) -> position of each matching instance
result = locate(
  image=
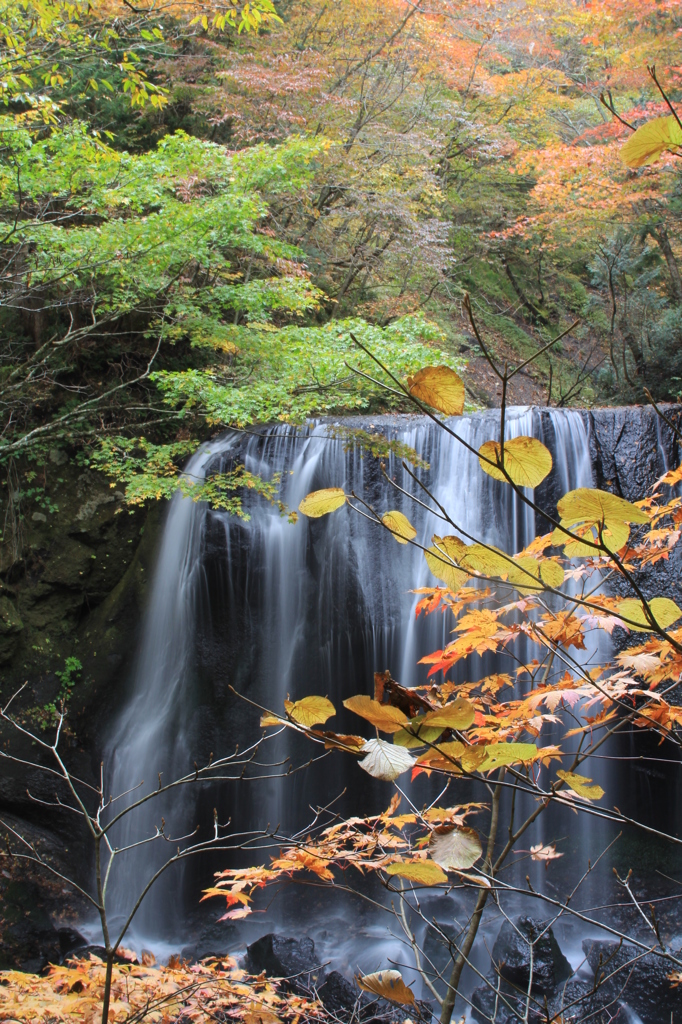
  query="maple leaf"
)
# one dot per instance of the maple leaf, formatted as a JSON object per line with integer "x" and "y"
{"x": 545, "y": 853}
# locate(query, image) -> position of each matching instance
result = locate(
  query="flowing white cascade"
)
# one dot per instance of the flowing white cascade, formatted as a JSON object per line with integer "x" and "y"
{"x": 275, "y": 609}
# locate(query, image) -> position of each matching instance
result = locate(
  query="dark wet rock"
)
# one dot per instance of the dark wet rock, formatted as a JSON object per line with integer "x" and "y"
{"x": 279, "y": 957}
{"x": 215, "y": 939}
{"x": 28, "y": 939}
{"x": 337, "y": 994}
{"x": 641, "y": 982}
{"x": 501, "y": 1003}
{"x": 84, "y": 953}
{"x": 512, "y": 955}
{"x": 70, "y": 939}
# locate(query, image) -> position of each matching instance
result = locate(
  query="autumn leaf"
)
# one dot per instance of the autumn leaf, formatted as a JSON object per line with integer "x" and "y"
{"x": 382, "y": 716}
{"x": 416, "y": 734}
{"x": 586, "y": 511}
{"x": 500, "y": 754}
{"x": 440, "y": 387}
{"x": 269, "y": 719}
{"x": 663, "y": 609}
{"x": 339, "y": 741}
{"x": 551, "y": 573}
{"x": 387, "y": 985}
{"x": 457, "y": 715}
{"x": 426, "y": 872}
{"x": 582, "y": 786}
{"x": 321, "y": 503}
{"x": 310, "y": 710}
{"x": 384, "y": 760}
{"x": 455, "y": 847}
{"x": 544, "y": 853}
{"x": 440, "y": 559}
{"x": 650, "y": 140}
{"x": 400, "y": 526}
{"x": 526, "y": 460}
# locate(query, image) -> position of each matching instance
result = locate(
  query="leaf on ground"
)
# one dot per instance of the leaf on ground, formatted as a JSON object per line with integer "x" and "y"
{"x": 310, "y": 710}
{"x": 382, "y": 716}
{"x": 663, "y": 609}
{"x": 320, "y": 503}
{"x": 440, "y": 387}
{"x": 400, "y": 526}
{"x": 384, "y": 760}
{"x": 459, "y": 714}
{"x": 455, "y": 847}
{"x": 526, "y": 460}
{"x": 387, "y": 985}
{"x": 426, "y": 872}
{"x": 582, "y": 786}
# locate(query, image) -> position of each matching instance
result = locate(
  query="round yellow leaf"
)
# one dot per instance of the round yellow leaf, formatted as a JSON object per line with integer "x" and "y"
{"x": 590, "y": 505}
{"x": 310, "y": 710}
{"x": 382, "y": 716}
{"x": 440, "y": 387}
{"x": 443, "y": 559}
{"x": 500, "y": 754}
{"x": 551, "y": 573}
{"x": 459, "y": 714}
{"x": 400, "y": 526}
{"x": 663, "y": 609}
{"x": 650, "y": 140}
{"x": 427, "y": 872}
{"x": 320, "y": 503}
{"x": 526, "y": 460}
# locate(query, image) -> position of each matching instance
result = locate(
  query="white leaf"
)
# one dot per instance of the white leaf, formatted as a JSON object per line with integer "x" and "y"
{"x": 385, "y": 760}
{"x": 455, "y": 848}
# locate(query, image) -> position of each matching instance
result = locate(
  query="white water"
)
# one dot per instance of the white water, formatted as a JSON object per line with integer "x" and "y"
{"x": 279, "y": 610}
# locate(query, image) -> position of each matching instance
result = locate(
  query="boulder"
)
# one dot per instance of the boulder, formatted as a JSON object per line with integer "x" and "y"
{"x": 512, "y": 955}
{"x": 337, "y": 994}
{"x": 28, "y": 939}
{"x": 506, "y": 1005}
{"x": 642, "y": 982}
{"x": 293, "y": 960}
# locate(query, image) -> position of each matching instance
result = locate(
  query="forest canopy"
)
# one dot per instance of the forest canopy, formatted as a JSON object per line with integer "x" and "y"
{"x": 203, "y": 204}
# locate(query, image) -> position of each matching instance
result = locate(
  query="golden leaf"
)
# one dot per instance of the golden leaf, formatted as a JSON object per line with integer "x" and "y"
{"x": 650, "y": 140}
{"x": 498, "y": 755}
{"x": 440, "y": 387}
{"x": 587, "y": 510}
{"x": 387, "y": 985}
{"x": 310, "y": 710}
{"x": 269, "y": 719}
{"x": 400, "y": 526}
{"x": 582, "y": 786}
{"x": 320, "y": 503}
{"x": 457, "y": 715}
{"x": 383, "y": 716}
{"x": 440, "y": 561}
{"x": 526, "y": 460}
{"x": 551, "y": 573}
{"x": 455, "y": 847}
{"x": 426, "y": 872}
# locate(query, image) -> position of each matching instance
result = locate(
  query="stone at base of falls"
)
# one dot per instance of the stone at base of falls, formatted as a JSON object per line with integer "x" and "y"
{"x": 337, "y": 994}
{"x": 641, "y": 982}
{"x": 501, "y": 1003}
{"x": 512, "y": 955}
{"x": 293, "y": 960}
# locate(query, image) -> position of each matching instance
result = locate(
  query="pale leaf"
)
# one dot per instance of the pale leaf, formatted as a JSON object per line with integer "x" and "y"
{"x": 455, "y": 847}
{"x": 384, "y": 760}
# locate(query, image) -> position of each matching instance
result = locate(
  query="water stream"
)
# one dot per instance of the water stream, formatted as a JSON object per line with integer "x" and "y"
{"x": 274, "y": 609}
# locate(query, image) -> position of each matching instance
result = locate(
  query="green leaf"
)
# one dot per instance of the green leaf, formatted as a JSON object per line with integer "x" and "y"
{"x": 526, "y": 460}
{"x": 321, "y": 503}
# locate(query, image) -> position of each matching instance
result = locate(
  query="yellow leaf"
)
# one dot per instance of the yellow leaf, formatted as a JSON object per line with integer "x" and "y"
{"x": 399, "y": 525}
{"x": 586, "y": 511}
{"x": 418, "y": 736}
{"x": 455, "y": 847}
{"x": 551, "y": 573}
{"x": 320, "y": 503}
{"x": 487, "y": 560}
{"x": 383, "y": 716}
{"x": 498, "y": 755}
{"x": 650, "y": 140}
{"x": 526, "y": 460}
{"x": 310, "y": 710}
{"x": 387, "y": 985}
{"x": 427, "y": 872}
{"x": 580, "y": 785}
{"x": 440, "y": 561}
{"x": 457, "y": 715}
{"x": 663, "y": 609}
{"x": 440, "y": 387}
{"x": 268, "y": 719}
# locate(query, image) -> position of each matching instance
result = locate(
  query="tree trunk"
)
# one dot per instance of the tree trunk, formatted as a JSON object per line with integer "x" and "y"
{"x": 660, "y": 234}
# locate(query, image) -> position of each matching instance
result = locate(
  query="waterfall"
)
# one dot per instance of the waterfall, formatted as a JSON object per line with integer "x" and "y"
{"x": 275, "y": 610}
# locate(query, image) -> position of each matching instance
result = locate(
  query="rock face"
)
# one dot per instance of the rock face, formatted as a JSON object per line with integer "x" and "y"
{"x": 641, "y": 982}
{"x": 522, "y": 945}
{"x": 279, "y": 957}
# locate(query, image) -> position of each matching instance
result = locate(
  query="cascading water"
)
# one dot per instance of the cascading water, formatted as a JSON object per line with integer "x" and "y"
{"x": 274, "y": 609}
